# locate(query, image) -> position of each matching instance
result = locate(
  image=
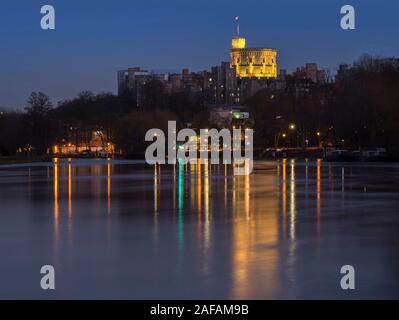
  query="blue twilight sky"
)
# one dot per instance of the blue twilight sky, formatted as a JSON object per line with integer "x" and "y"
{"x": 95, "y": 38}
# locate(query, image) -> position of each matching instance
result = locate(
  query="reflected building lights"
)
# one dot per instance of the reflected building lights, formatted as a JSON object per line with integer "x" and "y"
{"x": 157, "y": 180}
{"x": 234, "y": 195}
{"x": 292, "y": 201}
{"x": 284, "y": 197}
{"x": 225, "y": 187}
{"x": 291, "y": 262}
{"x": 174, "y": 187}
{"x": 318, "y": 187}
{"x": 254, "y": 227}
{"x": 155, "y": 192}
{"x": 193, "y": 187}
{"x": 69, "y": 226}
{"x": 180, "y": 191}
{"x": 246, "y": 193}
{"x": 206, "y": 205}
{"x": 199, "y": 201}
{"x": 69, "y": 189}
{"x": 109, "y": 186}
{"x": 56, "y": 209}
{"x": 199, "y": 191}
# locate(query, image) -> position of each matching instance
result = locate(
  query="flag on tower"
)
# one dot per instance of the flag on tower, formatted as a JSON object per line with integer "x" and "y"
{"x": 237, "y": 18}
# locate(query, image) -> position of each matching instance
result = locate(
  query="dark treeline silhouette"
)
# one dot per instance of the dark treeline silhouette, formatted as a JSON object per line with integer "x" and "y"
{"x": 360, "y": 109}
{"x": 41, "y": 126}
{"x": 29, "y": 132}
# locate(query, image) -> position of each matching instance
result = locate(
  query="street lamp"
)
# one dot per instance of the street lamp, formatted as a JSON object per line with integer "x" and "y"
{"x": 292, "y": 126}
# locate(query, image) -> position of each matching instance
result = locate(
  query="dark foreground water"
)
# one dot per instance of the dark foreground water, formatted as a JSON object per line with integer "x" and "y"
{"x": 127, "y": 230}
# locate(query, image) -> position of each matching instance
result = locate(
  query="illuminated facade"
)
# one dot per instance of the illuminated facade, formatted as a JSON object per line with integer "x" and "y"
{"x": 97, "y": 143}
{"x": 252, "y": 62}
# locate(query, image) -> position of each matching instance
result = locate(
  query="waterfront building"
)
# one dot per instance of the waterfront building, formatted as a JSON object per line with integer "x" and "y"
{"x": 95, "y": 142}
{"x": 230, "y": 116}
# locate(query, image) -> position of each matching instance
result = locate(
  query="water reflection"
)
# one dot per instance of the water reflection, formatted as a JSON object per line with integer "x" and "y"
{"x": 292, "y": 258}
{"x": 255, "y": 235}
{"x": 180, "y": 196}
{"x": 69, "y": 189}
{"x": 109, "y": 186}
{"x": 318, "y": 195}
{"x": 56, "y": 204}
{"x": 69, "y": 200}
{"x": 292, "y": 201}
{"x": 255, "y": 214}
{"x": 207, "y": 235}
{"x": 211, "y": 231}
{"x": 284, "y": 197}
{"x": 56, "y": 212}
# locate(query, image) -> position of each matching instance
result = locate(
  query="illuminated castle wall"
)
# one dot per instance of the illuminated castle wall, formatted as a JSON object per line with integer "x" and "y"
{"x": 252, "y": 62}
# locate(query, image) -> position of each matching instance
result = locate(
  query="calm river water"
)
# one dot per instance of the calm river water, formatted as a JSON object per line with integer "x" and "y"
{"x": 122, "y": 229}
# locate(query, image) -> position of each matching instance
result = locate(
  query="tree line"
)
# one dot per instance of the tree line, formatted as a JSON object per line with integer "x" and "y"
{"x": 359, "y": 110}
{"x": 41, "y": 125}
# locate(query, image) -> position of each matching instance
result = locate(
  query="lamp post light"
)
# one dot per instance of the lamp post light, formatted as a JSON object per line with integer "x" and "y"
{"x": 318, "y": 134}
{"x": 292, "y": 127}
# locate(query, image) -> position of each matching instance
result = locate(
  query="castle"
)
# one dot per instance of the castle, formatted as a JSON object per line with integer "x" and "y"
{"x": 252, "y": 62}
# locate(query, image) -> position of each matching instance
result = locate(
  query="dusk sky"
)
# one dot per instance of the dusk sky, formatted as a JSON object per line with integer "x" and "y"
{"x": 94, "y": 39}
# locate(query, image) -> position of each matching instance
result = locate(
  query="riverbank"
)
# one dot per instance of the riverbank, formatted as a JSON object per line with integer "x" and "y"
{"x": 18, "y": 159}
